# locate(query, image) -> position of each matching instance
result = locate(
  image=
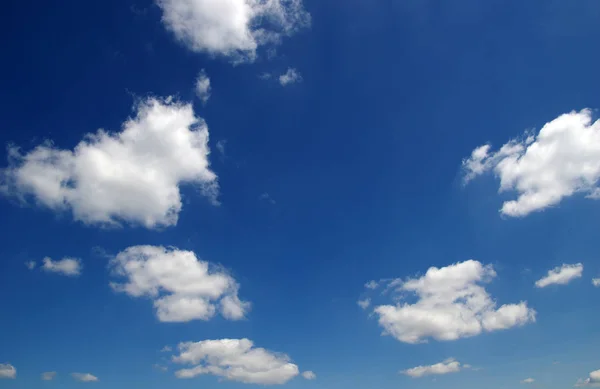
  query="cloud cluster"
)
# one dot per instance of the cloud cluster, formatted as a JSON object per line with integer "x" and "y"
{"x": 235, "y": 360}
{"x": 451, "y": 304}
{"x": 561, "y": 275}
{"x": 561, "y": 160}
{"x": 232, "y": 28}
{"x": 132, "y": 176}
{"x": 593, "y": 380}
{"x": 183, "y": 287}
{"x": 7, "y": 371}
{"x": 70, "y": 267}
{"x": 450, "y": 365}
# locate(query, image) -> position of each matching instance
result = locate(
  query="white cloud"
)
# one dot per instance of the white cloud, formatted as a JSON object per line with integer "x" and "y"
{"x": 233, "y": 28}
{"x": 70, "y": 267}
{"x": 160, "y": 367}
{"x": 593, "y": 380}
{"x": 543, "y": 169}
{"x": 203, "y": 88}
{"x": 560, "y": 275}
{"x": 30, "y": 265}
{"x": 235, "y": 360}
{"x": 451, "y": 304}
{"x": 166, "y": 349}
{"x": 372, "y": 284}
{"x": 596, "y": 281}
{"x": 528, "y": 381}
{"x": 48, "y": 376}
{"x": 7, "y": 371}
{"x": 364, "y": 304}
{"x": 132, "y": 176}
{"x": 183, "y": 287}
{"x": 450, "y": 365}
{"x": 84, "y": 377}
{"x": 290, "y": 77}
{"x": 309, "y": 375}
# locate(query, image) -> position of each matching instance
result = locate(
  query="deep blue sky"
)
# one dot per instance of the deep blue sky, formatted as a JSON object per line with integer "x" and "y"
{"x": 362, "y": 159}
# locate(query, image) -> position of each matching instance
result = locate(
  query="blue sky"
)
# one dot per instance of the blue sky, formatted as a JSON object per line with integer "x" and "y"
{"x": 312, "y": 194}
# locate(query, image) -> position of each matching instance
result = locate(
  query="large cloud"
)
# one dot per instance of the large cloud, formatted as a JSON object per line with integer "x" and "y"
{"x": 183, "y": 287}
{"x": 543, "y": 169}
{"x": 233, "y": 28}
{"x": 592, "y": 380}
{"x": 235, "y": 360}
{"x": 450, "y": 365}
{"x": 132, "y": 176}
{"x": 451, "y": 304}
{"x": 561, "y": 275}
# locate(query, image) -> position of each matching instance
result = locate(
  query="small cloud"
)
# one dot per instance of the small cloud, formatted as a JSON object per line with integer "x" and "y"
{"x": 48, "y": 376}
{"x": 596, "y": 282}
{"x": 70, "y": 267}
{"x": 7, "y": 371}
{"x": 528, "y": 381}
{"x": 450, "y": 365}
{"x": 561, "y": 275}
{"x": 372, "y": 284}
{"x": 267, "y": 197}
{"x": 84, "y": 377}
{"x": 364, "y": 304}
{"x": 203, "y": 88}
{"x": 220, "y": 146}
{"x": 309, "y": 375}
{"x": 30, "y": 265}
{"x": 166, "y": 349}
{"x": 159, "y": 367}
{"x": 265, "y": 76}
{"x": 290, "y": 77}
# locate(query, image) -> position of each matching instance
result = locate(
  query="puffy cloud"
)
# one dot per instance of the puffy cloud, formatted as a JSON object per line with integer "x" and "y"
{"x": 596, "y": 282}
{"x": 290, "y": 77}
{"x": 7, "y": 371}
{"x": 203, "y": 88}
{"x": 233, "y": 28}
{"x": 450, "y": 365}
{"x": 309, "y": 375}
{"x": 364, "y": 304}
{"x": 451, "y": 304}
{"x": 70, "y": 267}
{"x": 560, "y": 275}
{"x": 528, "y": 381}
{"x": 235, "y": 360}
{"x": 48, "y": 376}
{"x": 132, "y": 176}
{"x": 30, "y": 265}
{"x": 592, "y": 380}
{"x": 183, "y": 287}
{"x": 561, "y": 160}
{"x": 84, "y": 377}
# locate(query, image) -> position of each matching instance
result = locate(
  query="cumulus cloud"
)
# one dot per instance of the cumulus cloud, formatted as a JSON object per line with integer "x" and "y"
{"x": 132, "y": 176}
{"x": 48, "y": 376}
{"x": 543, "y": 169}
{"x": 593, "y": 380}
{"x": 203, "y": 88}
{"x": 596, "y": 282}
{"x": 451, "y": 304}
{"x": 70, "y": 267}
{"x": 234, "y": 360}
{"x": 561, "y": 275}
{"x": 232, "y": 28}
{"x": 309, "y": 375}
{"x": 528, "y": 381}
{"x": 7, "y": 371}
{"x": 450, "y": 365}
{"x": 183, "y": 287}
{"x": 84, "y": 377}
{"x": 290, "y": 77}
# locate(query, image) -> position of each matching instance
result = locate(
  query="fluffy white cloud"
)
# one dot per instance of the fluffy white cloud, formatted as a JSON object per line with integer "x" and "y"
{"x": 183, "y": 287}
{"x": 7, "y": 371}
{"x": 364, "y": 304}
{"x": 233, "y": 28}
{"x": 48, "y": 376}
{"x": 290, "y": 77}
{"x": 592, "y": 380}
{"x": 203, "y": 88}
{"x": 309, "y": 375}
{"x": 596, "y": 282}
{"x": 450, "y": 365}
{"x": 528, "y": 381}
{"x": 235, "y": 360}
{"x": 132, "y": 176}
{"x": 84, "y": 377}
{"x": 561, "y": 160}
{"x": 561, "y": 275}
{"x": 70, "y": 267}
{"x": 451, "y": 304}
